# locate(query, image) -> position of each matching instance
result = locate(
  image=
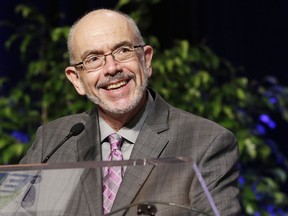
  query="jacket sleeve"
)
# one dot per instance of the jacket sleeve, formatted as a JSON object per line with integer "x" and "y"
{"x": 219, "y": 168}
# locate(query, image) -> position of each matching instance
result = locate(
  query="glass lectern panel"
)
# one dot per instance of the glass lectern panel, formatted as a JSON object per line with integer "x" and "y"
{"x": 76, "y": 189}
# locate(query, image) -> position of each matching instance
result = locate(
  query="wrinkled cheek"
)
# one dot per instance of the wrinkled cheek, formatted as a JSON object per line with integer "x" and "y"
{"x": 91, "y": 89}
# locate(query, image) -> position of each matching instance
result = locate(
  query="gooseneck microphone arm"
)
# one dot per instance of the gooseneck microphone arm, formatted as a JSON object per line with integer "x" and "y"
{"x": 74, "y": 131}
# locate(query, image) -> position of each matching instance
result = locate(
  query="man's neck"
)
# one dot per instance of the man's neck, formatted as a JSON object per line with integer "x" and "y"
{"x": 117, "y": 121}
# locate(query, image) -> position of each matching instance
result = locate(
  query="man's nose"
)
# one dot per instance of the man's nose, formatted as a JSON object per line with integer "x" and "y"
{"x": 111, "y": 65}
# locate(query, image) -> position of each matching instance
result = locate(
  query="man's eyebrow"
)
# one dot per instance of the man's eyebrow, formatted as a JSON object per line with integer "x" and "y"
{"x": 97, "y": 52}
{"x": 89, "y": 52}
{"x": 121, "y": 43}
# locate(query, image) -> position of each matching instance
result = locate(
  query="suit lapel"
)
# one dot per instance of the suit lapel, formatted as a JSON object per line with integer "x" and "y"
{"x": 149, "y": 144}
{"x": 88, "y": 148}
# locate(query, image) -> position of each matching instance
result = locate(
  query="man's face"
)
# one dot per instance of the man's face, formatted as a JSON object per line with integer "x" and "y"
{"x": 116, "y": 88}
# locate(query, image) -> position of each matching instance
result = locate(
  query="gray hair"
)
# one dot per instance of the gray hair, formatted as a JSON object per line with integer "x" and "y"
{"x": 135, "y": 30}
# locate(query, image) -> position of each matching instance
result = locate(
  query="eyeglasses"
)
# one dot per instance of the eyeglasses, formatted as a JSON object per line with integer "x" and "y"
{"x": 94, "y": 62}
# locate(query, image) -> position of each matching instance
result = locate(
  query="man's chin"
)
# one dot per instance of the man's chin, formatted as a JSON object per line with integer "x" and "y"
{"x": 118, "y": 109}
{"x": 121, "y": 106}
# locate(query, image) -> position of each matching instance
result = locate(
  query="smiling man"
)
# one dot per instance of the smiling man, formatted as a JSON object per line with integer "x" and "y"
{"x": 111, "y": 65}
{"x": 113, "y": 45}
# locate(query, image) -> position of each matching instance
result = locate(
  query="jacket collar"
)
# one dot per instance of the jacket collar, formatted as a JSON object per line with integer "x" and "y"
{"x": 149, "y": 144}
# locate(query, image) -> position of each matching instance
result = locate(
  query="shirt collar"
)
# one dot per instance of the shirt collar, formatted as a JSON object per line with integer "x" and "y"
{"x": 131, "y": 130}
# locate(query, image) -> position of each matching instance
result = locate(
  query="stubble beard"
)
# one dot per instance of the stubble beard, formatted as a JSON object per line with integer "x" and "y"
{"x": 125, "y": 108}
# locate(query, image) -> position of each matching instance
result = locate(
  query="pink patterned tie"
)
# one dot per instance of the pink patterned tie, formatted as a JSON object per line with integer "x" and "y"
{"x": 112, "y": 175}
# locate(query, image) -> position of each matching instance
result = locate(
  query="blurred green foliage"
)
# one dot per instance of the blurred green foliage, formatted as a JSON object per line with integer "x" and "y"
{"x": 190, "y": 77}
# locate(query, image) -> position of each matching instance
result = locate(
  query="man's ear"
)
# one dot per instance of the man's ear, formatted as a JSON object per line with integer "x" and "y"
{"x": 148, "y": 54}
{"x": 73, "y": 76}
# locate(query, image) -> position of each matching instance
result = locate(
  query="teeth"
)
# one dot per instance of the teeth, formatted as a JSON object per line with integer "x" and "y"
{"x": 116, "y": 85}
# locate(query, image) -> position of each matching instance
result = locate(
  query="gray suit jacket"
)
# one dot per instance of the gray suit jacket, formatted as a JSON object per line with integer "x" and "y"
{"x": 167, "y": 132}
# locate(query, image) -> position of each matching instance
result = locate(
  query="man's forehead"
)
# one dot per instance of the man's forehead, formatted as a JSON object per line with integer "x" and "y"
{"x": 101, "y": 35}
{"x": 104, "y": 34}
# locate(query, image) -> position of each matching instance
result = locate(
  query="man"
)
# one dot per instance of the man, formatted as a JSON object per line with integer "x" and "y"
{"x": 110, "y": 64}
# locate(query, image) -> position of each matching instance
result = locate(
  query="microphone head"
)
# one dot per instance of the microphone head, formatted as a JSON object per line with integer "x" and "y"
{"x": 76, "y": 129}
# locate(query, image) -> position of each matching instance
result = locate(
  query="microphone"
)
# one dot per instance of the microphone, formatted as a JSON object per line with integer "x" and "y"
{"x": 74, "y": 131}
{"x": 29, "y": 195}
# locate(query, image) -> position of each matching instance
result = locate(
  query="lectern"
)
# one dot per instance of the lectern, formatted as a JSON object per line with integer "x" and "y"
{"x": 58, "y": 189}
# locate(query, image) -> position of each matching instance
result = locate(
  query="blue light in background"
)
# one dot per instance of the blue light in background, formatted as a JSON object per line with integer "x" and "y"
{"x": 267, "y": 120}
{"x": 273, "y": 100}
{"x": 20, "y": 136}
{"x": 261, "y": 129}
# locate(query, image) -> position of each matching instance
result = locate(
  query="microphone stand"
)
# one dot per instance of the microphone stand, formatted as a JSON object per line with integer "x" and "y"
{"x": 149, "y": 208}
{"x": 75, "y": 130}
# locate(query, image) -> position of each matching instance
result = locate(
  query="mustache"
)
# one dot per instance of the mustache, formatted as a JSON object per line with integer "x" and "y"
{"x": 114, "y": 78}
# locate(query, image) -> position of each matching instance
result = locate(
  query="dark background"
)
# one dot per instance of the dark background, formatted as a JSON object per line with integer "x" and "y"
{"x": 250, "y": 34}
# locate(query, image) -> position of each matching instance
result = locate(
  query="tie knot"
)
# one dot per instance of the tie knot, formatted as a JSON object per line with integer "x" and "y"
{"x": 115, "y": 141}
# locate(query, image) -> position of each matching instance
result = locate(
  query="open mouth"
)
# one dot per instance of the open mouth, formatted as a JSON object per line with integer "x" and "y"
{"x": 116, "y": 85}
